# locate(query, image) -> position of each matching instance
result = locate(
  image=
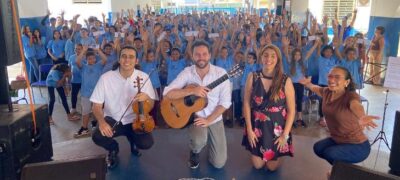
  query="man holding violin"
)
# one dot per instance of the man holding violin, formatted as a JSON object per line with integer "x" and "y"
{"x": 117, "y": 92}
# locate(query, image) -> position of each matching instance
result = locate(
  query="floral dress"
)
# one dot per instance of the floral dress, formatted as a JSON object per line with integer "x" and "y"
{"x": 268, "y": 120}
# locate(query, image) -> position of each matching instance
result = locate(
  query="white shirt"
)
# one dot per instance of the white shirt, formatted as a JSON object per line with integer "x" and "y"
{"x": 116, "y": 93}
{"x": 220, "y": 95}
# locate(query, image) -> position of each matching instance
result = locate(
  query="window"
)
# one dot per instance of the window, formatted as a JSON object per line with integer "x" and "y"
{"x": 85, "y": 1}
{"x": 344, "y": 7}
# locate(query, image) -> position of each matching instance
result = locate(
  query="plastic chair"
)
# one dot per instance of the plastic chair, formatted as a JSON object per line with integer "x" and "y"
{"x": 44, "y": 70}
{"x": 16, "y": 85}
{"x": 308, "y": 99}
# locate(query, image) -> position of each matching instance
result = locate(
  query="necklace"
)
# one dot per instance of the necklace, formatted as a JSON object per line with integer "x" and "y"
{"x": 265, "y": 76}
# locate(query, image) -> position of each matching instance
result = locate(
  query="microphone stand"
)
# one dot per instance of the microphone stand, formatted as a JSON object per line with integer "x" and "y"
{"x": 381, "y": 135}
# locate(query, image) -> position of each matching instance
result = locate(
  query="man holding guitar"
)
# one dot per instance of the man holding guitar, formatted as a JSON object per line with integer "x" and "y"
{"x": 116, "y": 91}
{"x": 207, "y": 125}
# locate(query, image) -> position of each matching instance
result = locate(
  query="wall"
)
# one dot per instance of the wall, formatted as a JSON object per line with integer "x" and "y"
{"x": 298, "y": 9}
{"x": 85, "y": 10}
{"x": 117, "y": 5}
{"x": 386, "y": 14}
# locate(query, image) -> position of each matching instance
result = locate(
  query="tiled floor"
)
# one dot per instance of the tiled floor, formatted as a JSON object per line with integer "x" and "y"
{"x": 62, "y": 136}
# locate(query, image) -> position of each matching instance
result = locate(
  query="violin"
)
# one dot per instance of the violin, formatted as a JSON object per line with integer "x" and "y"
{"x": 144, "y": 123}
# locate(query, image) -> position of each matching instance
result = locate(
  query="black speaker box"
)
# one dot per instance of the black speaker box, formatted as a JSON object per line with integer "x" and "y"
{"x": 88, "y": 168}
{"x": 394, "y": 160}
{"x": 9, "y": 53}
{"x": 18, "y": 144}
{"x": 344, "y": 171}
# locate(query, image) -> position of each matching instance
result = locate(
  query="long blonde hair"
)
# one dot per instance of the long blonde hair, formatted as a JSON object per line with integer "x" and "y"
{"x": 278, "y": 77}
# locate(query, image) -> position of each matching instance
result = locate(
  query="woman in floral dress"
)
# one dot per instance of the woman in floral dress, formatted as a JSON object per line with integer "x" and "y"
{"x": 269, "y": 111}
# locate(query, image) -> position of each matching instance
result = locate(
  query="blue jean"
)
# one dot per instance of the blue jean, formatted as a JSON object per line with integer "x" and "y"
{"x": 331, "y": 151}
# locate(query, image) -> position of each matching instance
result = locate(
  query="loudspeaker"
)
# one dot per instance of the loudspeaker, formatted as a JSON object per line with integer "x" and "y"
{"x": 9, "y": 53}
{"x": 18, "y": 142}
{"x": 394, "y": 160}
{"x": 77, "y": 169}
{"x": 344, "y": 171}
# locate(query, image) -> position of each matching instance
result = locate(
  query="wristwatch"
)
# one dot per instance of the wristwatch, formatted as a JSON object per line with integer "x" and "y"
{"x": 286, "y": 137}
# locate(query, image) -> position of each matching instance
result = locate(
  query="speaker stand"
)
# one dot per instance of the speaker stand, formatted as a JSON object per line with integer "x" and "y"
{"x": 381, "y": 135}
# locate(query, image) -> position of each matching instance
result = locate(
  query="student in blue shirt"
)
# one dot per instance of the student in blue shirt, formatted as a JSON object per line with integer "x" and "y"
{"x": 30, "y": 54}
{"x": 85, "y": 40}
{"x": 150, "y": 65}
{"x": 56, "y": 79}
{"x": 352, "y": 63}
{"x": 76, "y": 78}
{"x": 91, "y": 72}
{"x": 111, "y": 55}
{"x": 40, "y": 49}
{"x": 224, "y": 61}
{"x": 69, "y": 44}
{"x": 174, "y": 65}
{"x": 326, "y": 61}
{"x": 236, "y": 95}
{"x": 297, "y": 70}
{"x": 250, "y": 66}
{"x": 56, "y": 48}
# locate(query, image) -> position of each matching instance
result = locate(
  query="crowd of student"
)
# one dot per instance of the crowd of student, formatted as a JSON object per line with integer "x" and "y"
{"x": 163, "y": 43}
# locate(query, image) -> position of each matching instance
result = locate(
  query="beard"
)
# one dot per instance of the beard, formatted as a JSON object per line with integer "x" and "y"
{"x": 201, "y": 64}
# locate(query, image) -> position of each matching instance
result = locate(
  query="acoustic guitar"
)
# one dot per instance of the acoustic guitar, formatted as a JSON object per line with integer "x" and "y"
{"x": 177, "y": 112}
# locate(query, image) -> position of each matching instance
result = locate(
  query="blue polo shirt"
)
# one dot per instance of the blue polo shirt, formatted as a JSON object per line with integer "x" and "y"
{"x": 90, "y": 75}
{"x": 148, "y": 67}
{"x": 354, "y": 68}
{"x": 174, "y": 68}
{"x": 76, "y": 71}
{"x": 248, "y": 68}
{"x": 29, "y": 50}
{"x": 325, "y": 65}
{"x": 69, "y": 49}
{"x": 53, "y": 77}
{"x": 57, "y": 47}
{"x": 111, "y": 59}
{"x": 226, "y": 64}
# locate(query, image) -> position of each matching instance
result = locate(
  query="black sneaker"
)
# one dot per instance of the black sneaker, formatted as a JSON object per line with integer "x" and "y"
{"x": 112, "y": 159}
{"x": 94, "y": 124}
{"x": 303, "y": 123}
{"x": 135, "y": 151}
{"x": 82, "y": 132}
{"x": 194, "y": 160}
{"x": 229, "y": 123}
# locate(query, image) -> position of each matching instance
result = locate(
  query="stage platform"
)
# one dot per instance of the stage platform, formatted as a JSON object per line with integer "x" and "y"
{"x": 167, "y": 159}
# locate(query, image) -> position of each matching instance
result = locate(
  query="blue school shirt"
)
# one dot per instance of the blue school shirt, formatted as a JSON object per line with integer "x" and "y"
{"x": 148, "y": 67}
{"x": 76, "y": 71}
{"x": 89, "y": 41}
{"x": 226, "y": 64}
{"x": 285, "y": 64}
{"x": 111, "y": 59}
{"x": 174, "y": 68}
{"x": 248, "y": 68}
{"x": 69, "y": 49}
{"x": 354, "y": 69}
{"x": 56, "y": 47}
{"x": 298, "y": 75}
{"x": 325, "y": 65}
{"x": 29, "y": 50}
{"x": 90, "y": 75}
{"x": 312, "y": 66}
{"x": 40, "y": 49}
{"x": 53, "y": 77}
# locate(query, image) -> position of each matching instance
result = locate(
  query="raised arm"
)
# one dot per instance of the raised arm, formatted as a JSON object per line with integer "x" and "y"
{"x": 80, "y": 56}
{"x": 314, "y": 88}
